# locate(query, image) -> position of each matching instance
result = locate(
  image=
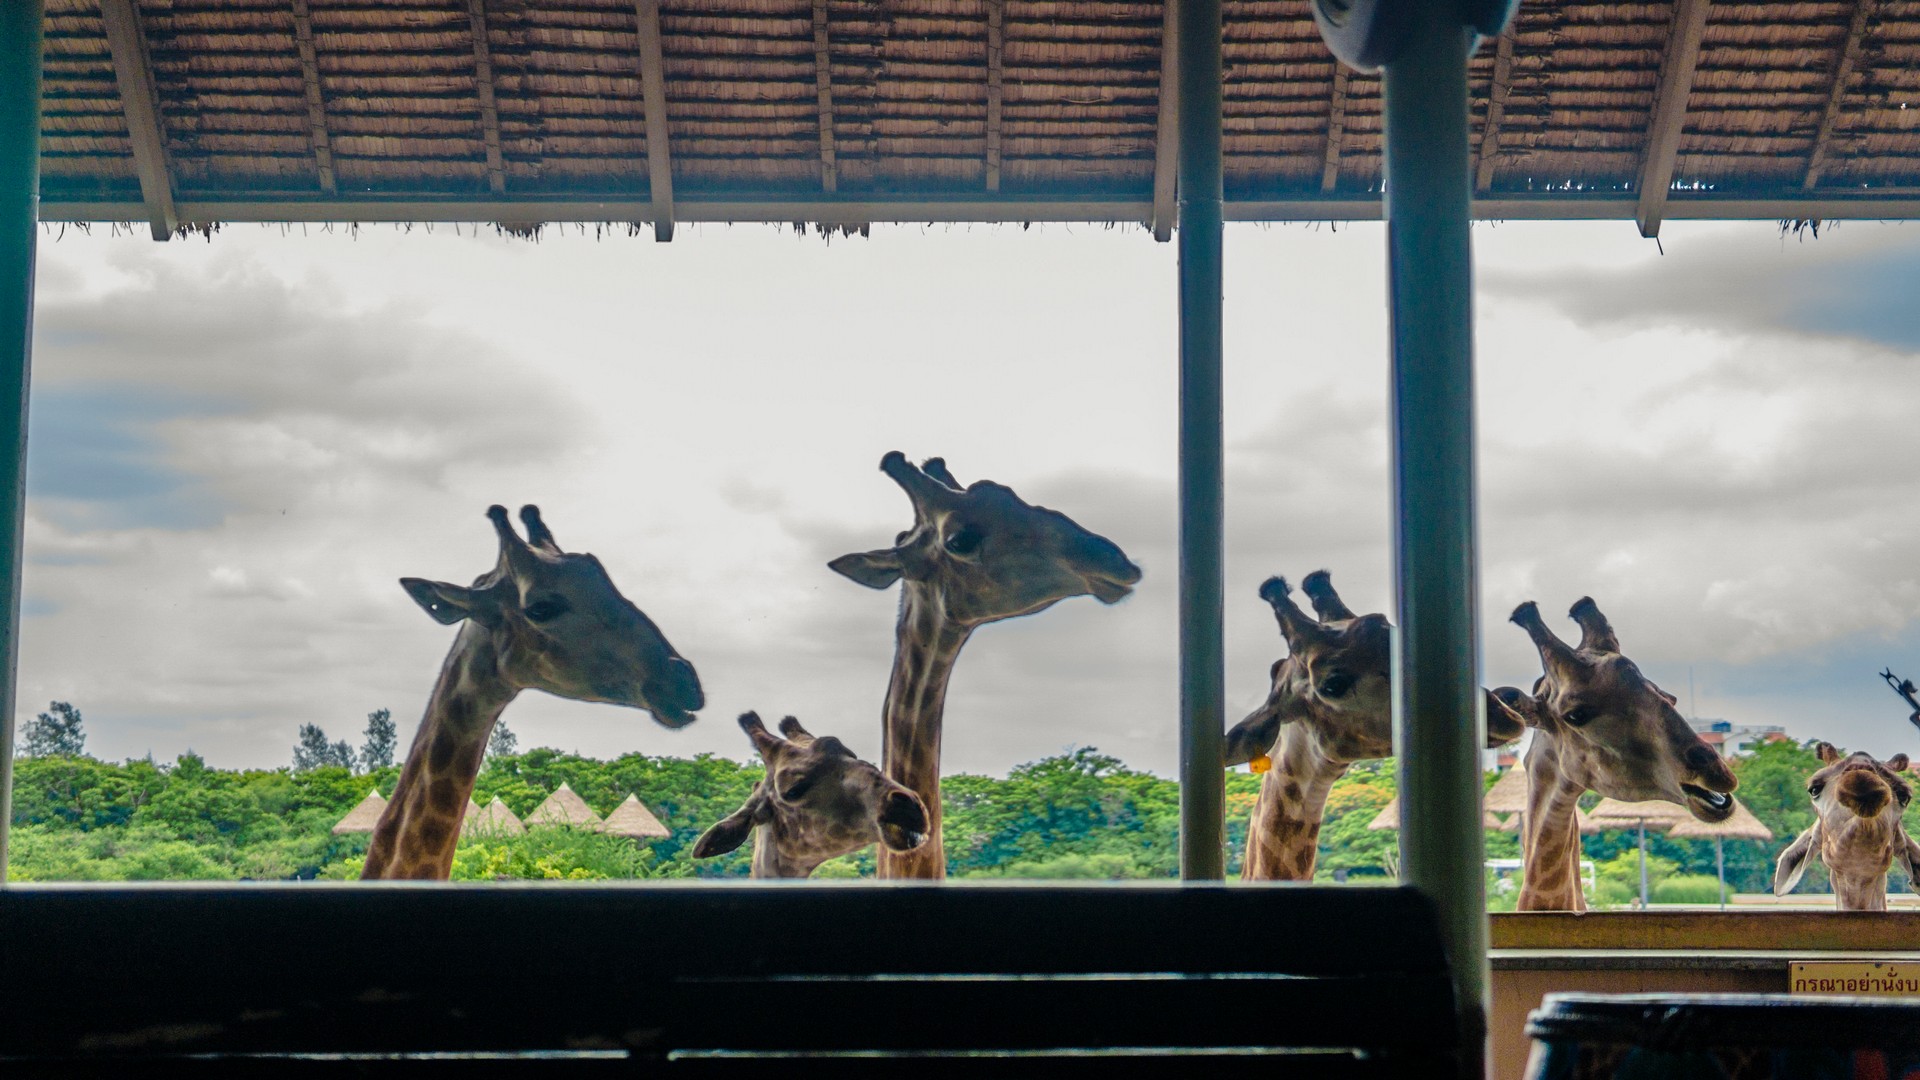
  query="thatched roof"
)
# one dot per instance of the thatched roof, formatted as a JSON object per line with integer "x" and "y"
{"x": 1586, "y": 825}
{"x": 364, "y": 815}
{"x": 632, "y": 818}
{"x": 1389, "y": 817}
{"x": 1741, "y": 826}
{"x": 1657, "y": 814}
{"x": 563, "y": 807}
{"x": 917, "y": 110}
{"x": 1508, "y": 795}
{"x": 494, "y": 819}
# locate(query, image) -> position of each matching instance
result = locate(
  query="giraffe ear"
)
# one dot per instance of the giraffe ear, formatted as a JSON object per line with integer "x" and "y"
{"x": 448, "y": 604}
{"x": 874, "y": 569}
{"x": 731, "y": 831}
{"x": 1505, "y": 722}
{"x": 1793, "y": 861}
{"x": 1906, "y": 855}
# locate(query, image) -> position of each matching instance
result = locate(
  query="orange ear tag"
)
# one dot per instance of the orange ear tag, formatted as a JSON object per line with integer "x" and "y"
{"x": 1260, "y": 764}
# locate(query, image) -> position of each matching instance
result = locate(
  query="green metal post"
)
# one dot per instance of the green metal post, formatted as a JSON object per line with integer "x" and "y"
{"x": 19, "y": 226}
{"x": 1203, "y": 853}
{"x": 1438, "y": 704}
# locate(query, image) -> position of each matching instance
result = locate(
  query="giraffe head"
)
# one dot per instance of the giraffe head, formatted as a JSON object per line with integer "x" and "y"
{"x": 1857, "y": 830}
{"x": 818, "y": 802}
{"x": 1337, "y": 677}
{"x": 554, "y": 621}
{"x": 987, "y": 554}
{"x": 1614, "y": 730}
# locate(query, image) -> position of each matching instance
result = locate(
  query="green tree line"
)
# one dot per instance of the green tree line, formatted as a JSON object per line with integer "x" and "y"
{"x": 1082, "y": 814}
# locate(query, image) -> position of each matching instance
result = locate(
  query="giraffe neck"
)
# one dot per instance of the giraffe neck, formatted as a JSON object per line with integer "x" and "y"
{"x": 769, "y": 863}
{"x": 1857, "y": 855}
{"x": 1550, "y": 832}
{"x": 1859, "y": 892}
{"x": 1283, "y": 837}
{"x": 416, "y": 835}
{"x": 926, "y": 643}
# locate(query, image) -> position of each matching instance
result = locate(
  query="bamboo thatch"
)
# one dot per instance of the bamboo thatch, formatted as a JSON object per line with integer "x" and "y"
{"x": 494, "y": 819}
{"x": 1508, "y": 795}
{"x": 564, "y": 807}
{"x": 1389, "y": 817}
{"x": 339, "y": 107}
{"x": 364, "y": 815}
{"x": 1655, "y": 814}
{"x": 632, "y": 818}
{"x": 1741, "y": 826}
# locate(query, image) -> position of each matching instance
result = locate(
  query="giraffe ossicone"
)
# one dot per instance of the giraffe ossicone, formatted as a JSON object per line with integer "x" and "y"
{"x": 973, "y": 555}
{"x": 1857, "y": 831}
{"x": 818, "y": 801}
{"x": 541, "y": 619}
{"x": 1599, "y": 725}
{"x": 1329, "y": 705}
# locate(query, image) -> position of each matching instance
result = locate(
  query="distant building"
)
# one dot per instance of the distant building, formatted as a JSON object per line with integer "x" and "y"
{"x": 1732, "y": 739}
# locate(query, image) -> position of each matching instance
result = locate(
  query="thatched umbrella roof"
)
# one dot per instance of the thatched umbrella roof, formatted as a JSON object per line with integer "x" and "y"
{"x": 364, "y": 815}
{"x": 1508, "y": 795}
{"x": 1588, "y": 826}
{"x": 494, "y": 819}
{"x": 1389, "y": 817}
{"x": 1741, "y": 826}
{"x": 1655, "y": 814}
{"x": 632, "y": 818}
{"x": 942, "y": 110}
{"x": 563, "y": 807}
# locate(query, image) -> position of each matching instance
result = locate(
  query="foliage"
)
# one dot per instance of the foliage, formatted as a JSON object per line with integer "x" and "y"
{"x": 377, "y": 751}
{"x": 502, "y": 743}
{"x": 315, "y": 752}
{"x": 54, "y": 733}
{"x": 1687, "y": 889}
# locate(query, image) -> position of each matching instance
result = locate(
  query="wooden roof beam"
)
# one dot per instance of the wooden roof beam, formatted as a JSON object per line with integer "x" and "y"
{"x": 996, "y": 48}
{"x": 140, "y": 102}
{"x": 1336, "y": 129}
{"x": 1669, "y": 117}
{"x": 1497, "y": 93}
{"x": 1844, "y": 64}
{"x": 823, "y": 90}
{"x": 483, "y": 89}
{"x": 653, "y": 84}
{"x": 316, "y": 106}
{"x": 1166, "y": 138}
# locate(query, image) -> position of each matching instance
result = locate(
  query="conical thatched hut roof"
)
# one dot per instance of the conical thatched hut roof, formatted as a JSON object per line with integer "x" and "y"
{"x": 1588, "y": 826}
{"x": 364, "y": 815}
{"x": 494, "y": 819}
{"x": 1508, "y": 795}
{"x": 1741, "y": 826}
{"x": 563, "y": 807}
{"x": 1657, "y": 814}
{"x": 632, "y": 818}
{"x": 1389, "y": 817}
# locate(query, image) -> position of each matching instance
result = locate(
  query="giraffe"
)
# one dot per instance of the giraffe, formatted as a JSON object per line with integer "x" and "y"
{"x": 973, "y": 556}
{"x": 818, "y": 801}
{"x": 541, "y": 619}
{"x": 1598, "y": 724}
{"x": 1856, "y": 830}
{"x": 1329, "y": 706}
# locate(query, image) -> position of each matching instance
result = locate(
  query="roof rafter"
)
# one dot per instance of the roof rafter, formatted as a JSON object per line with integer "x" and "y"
{"x": 483, "y": 87}
{"x": 823, "y": 88}
{"x": 1166, "y": 137}
{"x": 996, "y": 48}
{"x": 140, "y": 102}
{"x": 1497, "y": 91}
{"x": 316, "y": 106}
{"x": 1843, "y": 67}
{"x": 1669, "y": 117}
{"x": 653, "y": 84}
{"x": 1336, "y": 128}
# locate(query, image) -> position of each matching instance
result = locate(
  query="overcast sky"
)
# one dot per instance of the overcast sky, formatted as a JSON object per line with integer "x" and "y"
{"x": 238, "y": 446}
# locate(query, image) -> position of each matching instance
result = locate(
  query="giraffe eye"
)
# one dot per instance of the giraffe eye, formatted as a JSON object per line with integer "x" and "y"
{"x": 1336, "y": 686}
{"x": 964, "y": 541}
{"x": 1814, "y": 789}
{"x": 1581, "y": 715}
{"x": 545, "y": 610}
{"x": 799, "y": 789}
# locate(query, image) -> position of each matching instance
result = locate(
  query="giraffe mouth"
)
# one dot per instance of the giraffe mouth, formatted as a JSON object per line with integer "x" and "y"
{"x": 1708, "y": 805}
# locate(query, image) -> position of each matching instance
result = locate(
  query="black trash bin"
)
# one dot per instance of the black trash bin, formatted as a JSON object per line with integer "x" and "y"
{"x": 1723, "y": 1037}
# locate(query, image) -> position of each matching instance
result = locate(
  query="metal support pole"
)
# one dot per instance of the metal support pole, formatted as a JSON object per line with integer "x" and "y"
{"x": 19, "y": 226}
{"x": 1643, "y": 864}
{"x": 1437, "y": 701}
{"x": 1203, "y": 853}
